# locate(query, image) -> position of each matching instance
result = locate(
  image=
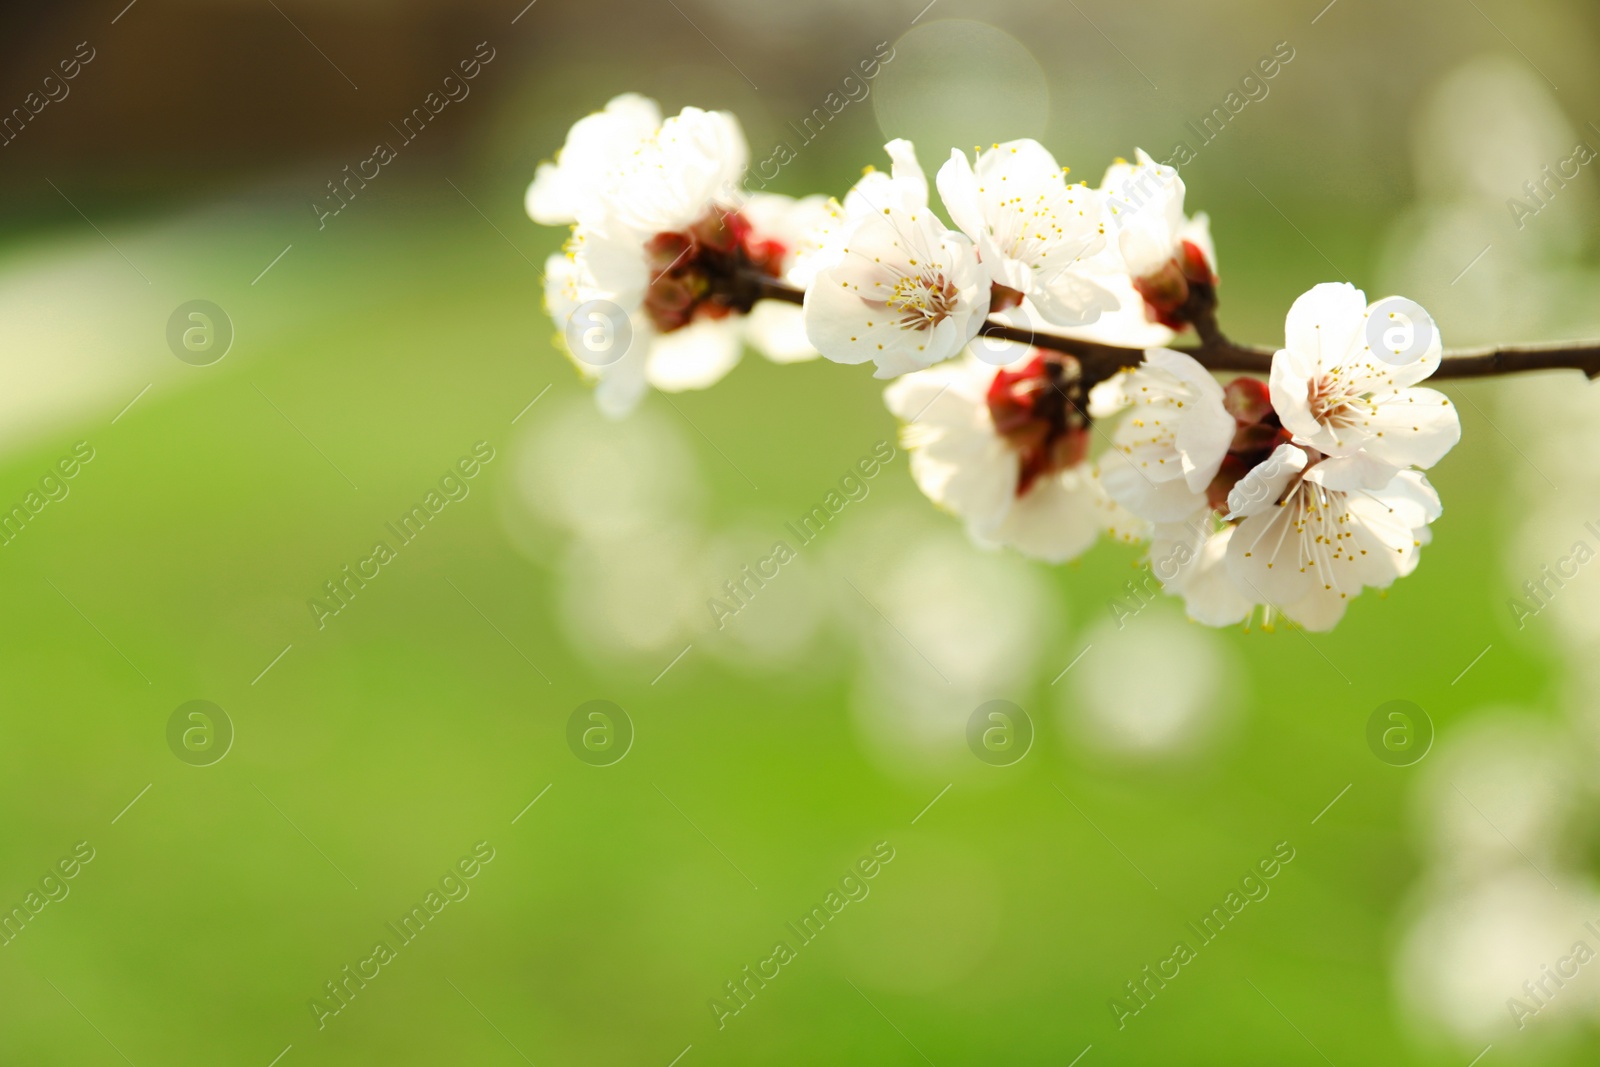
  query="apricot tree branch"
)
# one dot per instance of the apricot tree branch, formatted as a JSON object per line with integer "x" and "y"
{"x": 1100, "y": 361}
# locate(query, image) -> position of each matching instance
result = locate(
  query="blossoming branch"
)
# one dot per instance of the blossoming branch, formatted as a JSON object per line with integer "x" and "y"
{"x": 1053, "y": 349}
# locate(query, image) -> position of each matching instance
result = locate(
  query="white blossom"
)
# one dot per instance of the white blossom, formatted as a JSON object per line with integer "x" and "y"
{"x": 654, "y": 287}
{"x": 1172, "y": 441}
{"x": 694, "y": 163}
{"x": 595, "y": 145}
{"x": 1311, "y": 535}
{"x": 1338, "y": 396}
{"x": 1146, "y": 205}
{"x": 905, "y": 293}
{"x": 1291, "y": 494}
{"x": 1028, "y": 483}
{"x": 1155, "y": 256}
{"x": 1190, "y": 559}
{"x": 1036, "y": 234}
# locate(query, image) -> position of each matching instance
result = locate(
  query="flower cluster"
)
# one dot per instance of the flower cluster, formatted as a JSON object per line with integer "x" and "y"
{"x": 1290, "y": 495}
{"x": 666, "y": 250}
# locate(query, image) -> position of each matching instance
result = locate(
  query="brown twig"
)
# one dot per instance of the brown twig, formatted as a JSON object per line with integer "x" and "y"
{"x": 1219, "y": 354}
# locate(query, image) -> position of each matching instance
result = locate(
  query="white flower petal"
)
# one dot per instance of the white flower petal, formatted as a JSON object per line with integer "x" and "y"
{"x": 1056, "y": 520}
{"x": 693, "y": 164}
{"x": 1067, "y": 300}
{"x": 1348, "y": 473}
{"x": 1127, "y": 326}
{"x": 1172, "y": 442}
{"x": 695, "y": 356}
{"x": 904, "y": 188}
{"x": 1413, "y": 428}
{"x": 959, "y": 462}
{"x": 612, "y": 264}
{"x": 1263, "y": 485}
{"x": 1318, "y": 611}
{"x": 1204, "y": 429}
{"x": 623, "y": 384}
{"x": 1191, "y": 562}
{"x": 1263, "y": 557}
{"x": 1109, "y": 396}
{"x": 907, "y": 172}
{"x": 778, "y": 331}
{"x": 1323, "y": 326}
{"x": 958, "y": 188}
{"x": 1154, "y": 494}
{"x": 1146, "y": 206}
{"x": 594, "y": 145}
{"x": 1289, "y": 384}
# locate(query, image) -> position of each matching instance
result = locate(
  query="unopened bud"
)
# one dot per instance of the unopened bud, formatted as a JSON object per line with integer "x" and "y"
{"x": 1247, "y": 399}
{"x": 1196, "y": 268}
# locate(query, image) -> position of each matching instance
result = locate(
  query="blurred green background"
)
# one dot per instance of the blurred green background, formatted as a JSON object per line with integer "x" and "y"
{"x": 768, "y": 757}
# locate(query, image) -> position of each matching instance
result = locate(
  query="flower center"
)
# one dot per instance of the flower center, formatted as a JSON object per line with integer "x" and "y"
{"x": 1332, "y": 406}
{"x": 705, "y": 271}
{"x": 1039, "y": 411}
{"x": 1321, "y": 523}
{"x": 922, "y": 301}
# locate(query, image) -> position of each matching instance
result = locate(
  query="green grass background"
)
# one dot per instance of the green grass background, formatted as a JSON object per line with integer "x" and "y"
{"x": 380, "y": 749}
{"x": 408, "y": 730}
